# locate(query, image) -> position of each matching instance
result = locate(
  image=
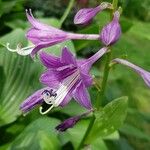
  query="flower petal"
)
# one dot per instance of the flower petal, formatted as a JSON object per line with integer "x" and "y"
{"x": 86, "y": 79}
{"x": 146, "y": 77}
{"x": 52, "y": 78}
{"x": 44, "y": 36}
{"x": 67, "y": 57}
{"x": 66, "y": 99}
{"x": 37, "y": 24}
{"x": 46, "y": 44}
{"x": 143, "y": 73}
{"x": 50, "y": 61}
{"x": 86, "y": 65}
{"x": 33, "y": 100}
{"x": 81, "y": 95}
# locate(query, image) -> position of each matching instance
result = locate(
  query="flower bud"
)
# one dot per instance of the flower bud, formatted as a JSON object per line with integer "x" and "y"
{"x": 68, "y": 123}
{"x": 112, "y": 31}
{"x": 143, "y": 73}
{"x": 85, "y": 15}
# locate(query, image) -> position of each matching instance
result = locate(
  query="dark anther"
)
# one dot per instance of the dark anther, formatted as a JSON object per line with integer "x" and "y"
{"x": 50, "y": 92}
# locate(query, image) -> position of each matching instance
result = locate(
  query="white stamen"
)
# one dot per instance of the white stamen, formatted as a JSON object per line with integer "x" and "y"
{"x": 65, "y": 67}
{"x": 65, "y": 87}
{"x": 21, "y": 51}
{"x": 49, "y": 100}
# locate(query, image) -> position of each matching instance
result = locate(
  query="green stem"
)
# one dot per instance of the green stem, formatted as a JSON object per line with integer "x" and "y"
{"x": 87, "y": 132}
{"x": 104, "y": 82}
{"x": 102, "y": 92}
{"x": 115, "y": 4}
{"x": 66, "y": 13}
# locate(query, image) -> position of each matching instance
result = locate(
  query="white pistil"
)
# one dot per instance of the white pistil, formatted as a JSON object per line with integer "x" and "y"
{"x": 45, "y": 112}
{"x": 63, "y": 90}
{"x": 21, "y": 51}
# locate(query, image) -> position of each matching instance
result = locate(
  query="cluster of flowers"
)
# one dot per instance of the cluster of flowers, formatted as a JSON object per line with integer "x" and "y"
{"x": 67, "y": 77}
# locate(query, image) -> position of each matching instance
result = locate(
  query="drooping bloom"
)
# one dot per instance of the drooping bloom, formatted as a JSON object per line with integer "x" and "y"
{"x": 85, "y": 15}
{"x": 68, "y": 77}
{"x": 70, "y": 122}
{"x": 112, "y": 31}
{"x": 143, "y": 73}
{"x": 42, "y": 36}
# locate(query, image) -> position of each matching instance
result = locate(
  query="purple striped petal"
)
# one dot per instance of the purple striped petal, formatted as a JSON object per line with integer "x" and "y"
{"x": 86, "y": 65}
{"x": 86, "y": 79}
{"x": 38, "y": 25}
{"x": 49, "y": 60}
{"x": 33, "y": 100}
{"x": 66, "y": 99}
{"x": 81, "y": 95}
{"x": 52, "y": 78}
{"x": 67, "y": 57}
{"x": 46, "y": 44}
{"x": 143, "y": 73}
{"x": 43, "y": 35}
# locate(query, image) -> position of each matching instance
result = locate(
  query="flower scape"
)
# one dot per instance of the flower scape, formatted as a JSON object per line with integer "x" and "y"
{"x": 67, "y": 77}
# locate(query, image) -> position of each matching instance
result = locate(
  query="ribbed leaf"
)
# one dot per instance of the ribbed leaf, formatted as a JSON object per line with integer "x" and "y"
{"x": 19, "y": 72}
{"x": 39, "y": 135}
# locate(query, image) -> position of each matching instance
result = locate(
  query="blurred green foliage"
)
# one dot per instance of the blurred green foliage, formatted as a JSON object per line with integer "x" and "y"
{"x": 19, "y": 78}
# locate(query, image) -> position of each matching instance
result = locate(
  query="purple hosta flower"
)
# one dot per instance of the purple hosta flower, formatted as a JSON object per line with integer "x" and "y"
{"x": 85, "y": 15}
{"x": 143, "y": 73}
{"x": 70, "y": 122}
{"x": 68, "y": 77}
{"x": 42, "y": 36}
{"x": 112, "y": 31}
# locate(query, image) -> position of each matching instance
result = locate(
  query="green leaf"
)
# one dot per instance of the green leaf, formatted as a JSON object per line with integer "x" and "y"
{"x": 6, "y": 7}
{"x": 73, "y": 108}
{"x": 25, "y": 24}
{"x": 2, "y": 81}
{"x": 133, "y": 131}
{"x": 99, "y": 144}
{"x": 113, "y": 136}
{"x": 50, "y": 21}
{"x": 141, "y": 29}
{"x": 57, "y": 49}
{"x": 109, "y": 119}
{"x": 77, "y": 132}
{"x": 39, "y": 135}
{"x": 21, "y": 73}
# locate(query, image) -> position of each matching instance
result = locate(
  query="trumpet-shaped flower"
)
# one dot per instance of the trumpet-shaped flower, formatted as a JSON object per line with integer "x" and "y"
{"x": 85, "y": 15}
{"x": 66, "y": 77}
{"x": 42, "y": 36}
{"x": 143, "y": 73}
{"x": 112, "y": 31}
